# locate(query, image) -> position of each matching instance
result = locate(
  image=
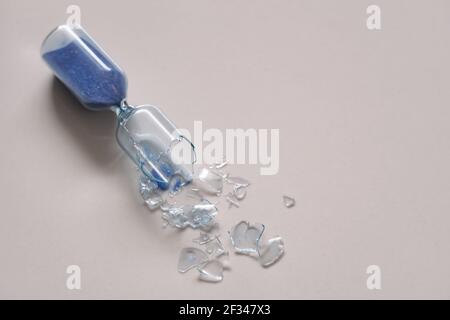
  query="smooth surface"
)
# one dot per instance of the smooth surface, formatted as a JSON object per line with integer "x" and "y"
{"x": 364, "y": 125}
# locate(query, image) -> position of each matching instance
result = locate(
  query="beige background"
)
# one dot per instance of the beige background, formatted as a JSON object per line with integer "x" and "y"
{"x": 364, "y": 120}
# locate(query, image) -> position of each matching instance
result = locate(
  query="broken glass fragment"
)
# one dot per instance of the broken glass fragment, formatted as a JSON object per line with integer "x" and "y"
{"x": 232, "y": 200}
{"x": 165, "y": 206}
{"x": 289, "y": 202}
{"x": 238, "y": 182}
{"x": 215, "y": 247}
{"x": 200, "y": 215}
{"x": 203, "y": 238}
{"x": 191, "y": 258}
{"x": 209, "y": 181}
{"x": 271, "y": 252}
{"x": 240, "y": 192}
{"x": 245, "y": 237}
{"x": 154, "y": 200}
{"x": 211, "y": 271}
{"x": 149, "y": 192}
{"x": 225, "y": 260}
{"x": 194, "y": 193}
{"x": 221, "y": 165}
{"x": 175, "y": 216}
{"x": 146, "y": 187}
{"x": 220, "y": 173}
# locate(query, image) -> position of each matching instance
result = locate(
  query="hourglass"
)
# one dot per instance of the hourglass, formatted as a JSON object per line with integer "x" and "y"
{"x": 146, "y": 135}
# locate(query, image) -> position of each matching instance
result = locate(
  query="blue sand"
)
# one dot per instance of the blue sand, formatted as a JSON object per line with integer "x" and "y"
{"x": 98, "y": 84}
{"x": 167, "y": 171}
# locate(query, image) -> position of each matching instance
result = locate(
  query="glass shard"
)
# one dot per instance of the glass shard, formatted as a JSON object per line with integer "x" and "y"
{"x": 165, "y": 206}
{"x": 271, "y": 252}
{"x": 219, "y": 172}
{"x": 232, "y": 200}
{"x": 209, "y": 181}
{"x": 238, "y": 182}
{"x": 289, "y": 202}
{"x": 221, "y": 165}
{"x": 240, "y": 192}
{"x": 191, "y": 258}
{"x": 215, "y": 247}
{"x": 194, "y": 194}
{"x": 154, "y": 200}
{"x": 225, "y": 260}
{"x": 200, "y": 215}
{"x": 211, "y": 271}
{"x": 245, "y": 237}
{"x": 203, "y": 238}
{"x": 146, "y": 187}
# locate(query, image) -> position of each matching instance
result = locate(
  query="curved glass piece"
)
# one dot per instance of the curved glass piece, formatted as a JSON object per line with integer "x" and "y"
{"x": 83, "y": 66}
{"x": 212, "y": 271}
{"x": 271, "y": 252}
{"x": 191, "y": 258}
{"x": 156, "y": 146}
{"x": 245, "y": 237}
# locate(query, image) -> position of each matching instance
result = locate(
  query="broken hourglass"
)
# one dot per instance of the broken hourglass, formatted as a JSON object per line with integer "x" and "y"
{"x": 163, "y": 155}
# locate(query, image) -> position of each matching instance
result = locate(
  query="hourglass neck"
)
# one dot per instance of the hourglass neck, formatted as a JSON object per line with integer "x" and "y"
{"x": 123, "y": 110}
